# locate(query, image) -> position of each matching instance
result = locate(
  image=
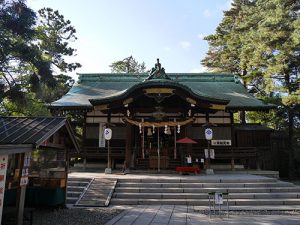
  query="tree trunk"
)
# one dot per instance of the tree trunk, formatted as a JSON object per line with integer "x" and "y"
{"x": 290, "y": 143}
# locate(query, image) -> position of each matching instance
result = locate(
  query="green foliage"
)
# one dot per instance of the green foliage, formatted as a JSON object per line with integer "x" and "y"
{"x": 31, "y": 46}
{"x": 63, "y": 85}
{"x": 260, "y": 41}
{"x": 30, "y": 106}
{"x": 128, "y": 65}
{"x": 53, "y": 34}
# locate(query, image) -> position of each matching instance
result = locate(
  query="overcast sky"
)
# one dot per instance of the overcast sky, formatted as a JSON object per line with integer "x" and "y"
{"x": 110, "y": 30}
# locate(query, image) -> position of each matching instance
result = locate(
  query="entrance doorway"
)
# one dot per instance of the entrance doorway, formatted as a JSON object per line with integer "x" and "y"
{"x": 157, "y": 147}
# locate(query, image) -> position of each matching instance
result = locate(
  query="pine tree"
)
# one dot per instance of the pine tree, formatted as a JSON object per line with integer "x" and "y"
{"x": 259, "y": 40}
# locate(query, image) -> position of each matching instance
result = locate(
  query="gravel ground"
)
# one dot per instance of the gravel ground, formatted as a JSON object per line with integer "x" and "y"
{"x": 253, "y": 212}
{"x": 74, "y": 216}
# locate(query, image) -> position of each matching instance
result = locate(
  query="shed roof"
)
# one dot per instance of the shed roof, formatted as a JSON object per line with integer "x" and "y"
{"x": 206, "y": 85}
{"x": 32, "y": 131}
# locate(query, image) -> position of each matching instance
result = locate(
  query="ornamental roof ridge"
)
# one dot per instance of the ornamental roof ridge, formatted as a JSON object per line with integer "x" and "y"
{"x": 140, "y": 77}
{"x": 157, "y": 72}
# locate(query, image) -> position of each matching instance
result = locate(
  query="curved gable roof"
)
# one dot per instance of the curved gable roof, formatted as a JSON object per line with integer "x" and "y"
{"x": 166, "y": 83}
{"x": 216, "y": 86}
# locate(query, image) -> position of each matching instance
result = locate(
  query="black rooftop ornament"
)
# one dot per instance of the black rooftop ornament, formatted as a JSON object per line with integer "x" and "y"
{"x": 157, "y": 72}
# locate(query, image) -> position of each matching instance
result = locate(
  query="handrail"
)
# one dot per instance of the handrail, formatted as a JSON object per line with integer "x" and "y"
{"x": 111, "y": 193}
{"x": 84, "y": 191}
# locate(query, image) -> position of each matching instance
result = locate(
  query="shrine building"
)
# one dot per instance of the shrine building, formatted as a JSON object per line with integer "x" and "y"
{"x": 149, "y": 113}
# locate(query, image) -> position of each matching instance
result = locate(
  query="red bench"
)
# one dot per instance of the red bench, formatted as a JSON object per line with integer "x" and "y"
{"x": 185, "y": 169}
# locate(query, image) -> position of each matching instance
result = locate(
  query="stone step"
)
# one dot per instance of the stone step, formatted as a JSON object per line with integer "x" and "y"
{"x": 206, "y": 190}
{"x": 204, "y": 202}
{"x": 74, "y": 194}
{"x": 204, "y": 185}
{"x": 77, "y": 183}
{"x": 198, "y": 179}
{"x": 71, "y": 200}
{"x": 75, "y": 188}
{"x": 205, "y": 196}
{"x": 80, "y": 179}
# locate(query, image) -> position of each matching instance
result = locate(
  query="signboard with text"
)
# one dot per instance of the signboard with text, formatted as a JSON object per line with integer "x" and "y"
{"x": 221, "y": 142}
{"x": 3, "y": 169}
{"x": 101, "y": 135}
{"x": 24, "y": 174}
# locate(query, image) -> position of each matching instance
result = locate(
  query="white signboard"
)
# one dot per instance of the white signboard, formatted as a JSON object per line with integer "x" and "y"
{"x": 107, "y": 133}
{"x": 212, "y": 153}
{"x": 218, "y": 198}
{"x": 221, "y": 142}
{"x": 24, "y": 181}
{"x": 206, "y": 153}
{"x": 27, "y": 157}
{"x": 25, "y": 173}
{"x": 101, "y": 135}
{"x": 3, "y": 169}
{"x": 208, "y": 134}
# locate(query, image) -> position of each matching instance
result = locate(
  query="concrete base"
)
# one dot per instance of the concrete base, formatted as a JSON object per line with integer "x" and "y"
{"x": 107, "y": 171}
{"x": 209, "y": 171}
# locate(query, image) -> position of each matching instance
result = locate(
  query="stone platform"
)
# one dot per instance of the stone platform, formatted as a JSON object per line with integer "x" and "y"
{"x": 172, "y": 189}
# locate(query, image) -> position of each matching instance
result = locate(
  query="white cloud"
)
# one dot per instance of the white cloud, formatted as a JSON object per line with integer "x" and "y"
{"x": 228, "y": 4}
{"x": 200, "y": 69}
{"x": 207, "y": 13}
{"x": 185, "y": 44}
{"x": 201, "y": 36}
{"x": 224, "y": 7}
{"x": 167, "y": 49}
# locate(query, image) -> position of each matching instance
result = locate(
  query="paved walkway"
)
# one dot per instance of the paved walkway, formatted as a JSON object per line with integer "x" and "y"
{"x": 185, "y": 215}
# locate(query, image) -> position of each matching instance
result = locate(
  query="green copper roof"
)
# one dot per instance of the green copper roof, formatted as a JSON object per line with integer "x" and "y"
{"x": 211, "y": 86}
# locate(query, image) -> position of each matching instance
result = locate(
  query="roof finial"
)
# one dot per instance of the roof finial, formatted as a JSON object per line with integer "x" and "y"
{"x": 158, "y": 72}
{"x": 158, "y": 65}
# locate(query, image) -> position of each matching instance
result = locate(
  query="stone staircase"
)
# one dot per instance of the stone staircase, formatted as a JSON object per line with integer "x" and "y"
{"x": 193, "y": 190}
{"x": 75, "y": 188}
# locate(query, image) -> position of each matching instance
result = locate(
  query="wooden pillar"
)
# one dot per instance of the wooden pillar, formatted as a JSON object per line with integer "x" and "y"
{"x": 67, "y": 167}
{"x": 84, "y": 139}
{"x": 188, "y": 132}
{"x": 242, "y": 117}
{"x": 207, "y": 160}
{"x": 232, "y": 141}
{"x": 108, "y": 143}
{"x": 175, "y": 144}
{"x": 84, "y": 163}
{"x": 128, "y": 152}
{"x": 21, "y": 191}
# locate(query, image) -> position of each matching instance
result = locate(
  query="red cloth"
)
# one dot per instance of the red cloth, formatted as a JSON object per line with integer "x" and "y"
{"x": 188, "y": 169}
{"x": 186, "y": 140}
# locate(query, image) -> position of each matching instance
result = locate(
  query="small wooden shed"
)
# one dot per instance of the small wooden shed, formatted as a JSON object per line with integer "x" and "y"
{"x": 25, "y": 142}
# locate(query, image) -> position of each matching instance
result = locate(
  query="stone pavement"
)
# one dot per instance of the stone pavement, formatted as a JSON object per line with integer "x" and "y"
{"x": 185, "y": 215}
